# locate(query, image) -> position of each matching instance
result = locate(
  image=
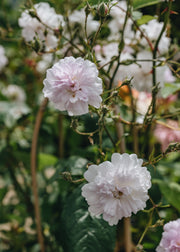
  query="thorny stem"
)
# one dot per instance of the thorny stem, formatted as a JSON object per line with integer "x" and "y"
{"x": 127, "y": 222}
{"x": 130, "y": 61}
{"x": 139, "y": 29}
{"x": 110, "y": 137}
{"x": 97, "y": 32}
{"x": 71, "y": 43}
{"x": 61, "y": 137}
{"x": 134, "y": 129}
{"x": 86, "y": 133}
{"x": 121, "y": 45}
{"x": 167, "y": 125}
{"x": 33, "y": 173}
{"x": 155, "y": 54}
{"x": 120, "y": 131}
{"x": 142, "y": 33}
{"x": 146, "y": 229}
{"x": 171, "y": 148}
{"x": 154, "y": 206}
{"x": 85, "y": 28}
{"x": 100, "y": 138}
{"x": 151, "y": 110}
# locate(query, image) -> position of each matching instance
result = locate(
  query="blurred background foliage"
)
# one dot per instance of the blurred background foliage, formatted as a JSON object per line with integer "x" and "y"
{"x": 67, "y": 226}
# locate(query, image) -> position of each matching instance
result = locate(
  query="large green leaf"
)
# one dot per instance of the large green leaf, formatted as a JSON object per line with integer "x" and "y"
{"x": 145, "y": 19}
{"x": 143, "y": 3}
{"x": 45, "y": 160}
{"x": 171, "y": 192}
{"x": 81, "y": 232}
{"x": 169, "y": 88}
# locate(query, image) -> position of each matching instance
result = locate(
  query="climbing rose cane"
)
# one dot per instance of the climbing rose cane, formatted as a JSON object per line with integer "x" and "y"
{"x": 118, "y": 188}
{"x": 170, "y": 241}
{"x": 72, "y": 84}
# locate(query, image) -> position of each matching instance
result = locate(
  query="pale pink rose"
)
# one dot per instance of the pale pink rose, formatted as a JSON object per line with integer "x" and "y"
{"x": 166, "y": 135}
{"x": 170, "y": 241}
{"x": 72, "y": 84}
{"x": 118, "y": 188}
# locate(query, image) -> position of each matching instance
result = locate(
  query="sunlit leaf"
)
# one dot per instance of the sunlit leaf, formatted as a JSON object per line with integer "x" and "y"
{"x": 137, "y": 15}
{"x": 171, "y": 192}
{"x": 45, "y": 160}
{"x": 143, "y": 3}
{"x": 169, "y": 88}
{"x": 145, "y": 19}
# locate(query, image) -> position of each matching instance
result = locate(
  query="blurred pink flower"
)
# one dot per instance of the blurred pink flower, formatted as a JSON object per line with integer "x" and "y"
{"x": 73, "y": 84}
{"x": 118, "y": 188}
{"x": 170, "y": 241}
{"x": 166, "y": 135}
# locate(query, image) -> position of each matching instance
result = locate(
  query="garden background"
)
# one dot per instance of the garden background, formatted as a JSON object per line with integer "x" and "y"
{"x": 65, "y": 149}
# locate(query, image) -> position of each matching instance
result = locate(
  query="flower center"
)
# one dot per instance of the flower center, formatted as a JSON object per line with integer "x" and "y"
{"x": 117, "y": 194}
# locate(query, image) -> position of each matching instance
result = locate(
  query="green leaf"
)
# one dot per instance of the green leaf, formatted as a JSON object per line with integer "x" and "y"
{"x": 81, "y": 232}
{"x": 171, "y": 192}
{"x": 169, "y": 88}
{"x": 145, "y": 19}
{"x": 45, "y": 160}
{"x": 92, "y": 2}
{"x": 137, "y": 15}
{"x": 3, "y": 192}
{"x": 143, "y": 3}
{"x": 75, "y": 165}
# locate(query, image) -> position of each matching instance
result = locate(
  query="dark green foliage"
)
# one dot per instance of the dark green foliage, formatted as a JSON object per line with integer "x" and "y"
{"x": 81, "y": 232}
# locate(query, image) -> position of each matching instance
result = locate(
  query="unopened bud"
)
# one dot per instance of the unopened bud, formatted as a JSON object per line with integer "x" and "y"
{"x": 104, "y": 110}
{"x": 103, "y": 10}
{"x": 36, "y": 45}
{"x": 33, "y": 14}
{"x": 87, "y": 9}
{"x": 58, "y": 32}
{"x": 74, "y": 124}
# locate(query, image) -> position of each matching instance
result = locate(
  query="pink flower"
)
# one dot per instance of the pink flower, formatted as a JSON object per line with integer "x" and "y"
{"x": 166, "y": 135}
{"x": 73, "y": 84}
{"x": 118, "y": 188}
{"x": 170, "y": 241}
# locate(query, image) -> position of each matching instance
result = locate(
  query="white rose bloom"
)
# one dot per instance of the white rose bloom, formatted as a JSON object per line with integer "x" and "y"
{"x": 72, "y": 84}
{"x": 3, "y": 58}
{"x": 143, "y": 77}
{"x": 118, "y": 13}
{"x": 118, "y": 188}
{"x": 79, "y": 16}
{"x": 14, "y": 93}
{"x": 152, "y": 30}
{"x": 44, "y": 63}
{"x": 105, "y": 54}
{"x": 32, "y": 27}
{"x": 142, "y": 73}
